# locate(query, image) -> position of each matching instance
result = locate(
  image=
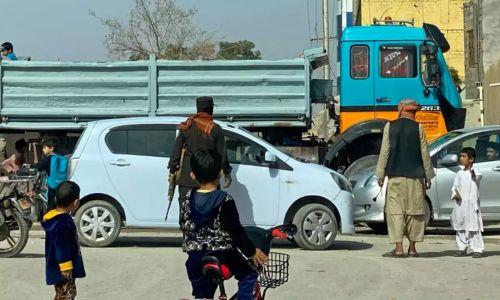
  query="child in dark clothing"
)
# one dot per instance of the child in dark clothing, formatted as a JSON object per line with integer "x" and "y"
{"x": 210, "y": 222}
{"x": 64, "y": 262}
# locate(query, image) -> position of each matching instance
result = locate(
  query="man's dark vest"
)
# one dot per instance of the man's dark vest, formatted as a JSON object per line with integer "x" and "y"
{"x": 405, "y": 156}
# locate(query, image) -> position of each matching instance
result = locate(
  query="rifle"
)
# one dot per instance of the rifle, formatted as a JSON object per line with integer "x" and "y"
{"x": 172, "y": 183}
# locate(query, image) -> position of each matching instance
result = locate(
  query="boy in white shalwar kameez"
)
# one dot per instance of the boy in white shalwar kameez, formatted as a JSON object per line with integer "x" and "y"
{"x": 466, "y": 214}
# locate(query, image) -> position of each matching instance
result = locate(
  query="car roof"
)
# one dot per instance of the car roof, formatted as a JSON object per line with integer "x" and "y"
{"x": 150, "y": 120}
{"x": 478, "y": 129}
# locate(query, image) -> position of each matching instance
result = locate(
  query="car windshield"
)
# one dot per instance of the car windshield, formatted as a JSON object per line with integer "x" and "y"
{"x": 443, "y": 139}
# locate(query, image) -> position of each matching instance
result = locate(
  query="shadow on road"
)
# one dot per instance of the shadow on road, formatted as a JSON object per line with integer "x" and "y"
{"x": 350, "y": 245}
{"x": 176, "y": 242}
{"x": 451, "y": 253}
{"x": 29, "y": 255}
{"x": 148, "y": 242}
{"x": 488, "y": 231}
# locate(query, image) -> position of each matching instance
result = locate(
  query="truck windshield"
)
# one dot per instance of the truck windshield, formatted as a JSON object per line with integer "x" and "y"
{"x": 443, "y": 139}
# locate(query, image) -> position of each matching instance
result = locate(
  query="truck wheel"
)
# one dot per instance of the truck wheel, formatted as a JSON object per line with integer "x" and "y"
{"x": 98, "y": 223}
{"x": 360, "y": 164}
{"x": 316, "y": 227}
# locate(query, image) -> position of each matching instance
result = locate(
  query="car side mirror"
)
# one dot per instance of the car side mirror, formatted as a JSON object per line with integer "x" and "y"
{"x": 449, "y": 160}
{"x": 270, "y": 158}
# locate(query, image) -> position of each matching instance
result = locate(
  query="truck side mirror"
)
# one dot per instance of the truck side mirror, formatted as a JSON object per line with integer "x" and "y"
{"x": 431, "y": 72}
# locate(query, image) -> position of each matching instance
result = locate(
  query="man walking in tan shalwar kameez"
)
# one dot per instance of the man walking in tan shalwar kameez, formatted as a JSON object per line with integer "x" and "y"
{"x": 405, "y": 160}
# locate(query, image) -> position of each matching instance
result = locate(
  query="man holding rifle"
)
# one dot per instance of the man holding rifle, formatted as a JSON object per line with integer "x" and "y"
{"x": 198, "y": 132}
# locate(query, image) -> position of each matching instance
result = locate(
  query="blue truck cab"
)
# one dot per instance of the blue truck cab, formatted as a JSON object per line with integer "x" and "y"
{"x": 379, "y": 66}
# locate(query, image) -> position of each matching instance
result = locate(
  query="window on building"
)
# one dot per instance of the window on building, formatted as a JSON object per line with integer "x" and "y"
{"x": 471, "y": 49}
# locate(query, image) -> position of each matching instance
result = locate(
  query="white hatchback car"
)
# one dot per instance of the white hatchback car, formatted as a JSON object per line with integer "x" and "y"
{"x": 121, "y": 167}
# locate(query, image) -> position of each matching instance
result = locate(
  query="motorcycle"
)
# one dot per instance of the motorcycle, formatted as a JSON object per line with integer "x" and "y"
{"x": 22, "y": 202}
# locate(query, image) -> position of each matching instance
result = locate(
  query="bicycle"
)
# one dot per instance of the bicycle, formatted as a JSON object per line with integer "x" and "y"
{"x": 272, "y": 275}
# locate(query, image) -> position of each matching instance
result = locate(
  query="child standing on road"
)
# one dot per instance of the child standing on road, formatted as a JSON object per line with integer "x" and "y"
{"x": 64, "y": 262}
{"x": 466, "y": 215}
{"x": 211, "y": 226}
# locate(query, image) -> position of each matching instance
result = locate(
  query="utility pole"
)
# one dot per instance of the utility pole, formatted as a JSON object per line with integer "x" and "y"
{"x": 326, "y": 36}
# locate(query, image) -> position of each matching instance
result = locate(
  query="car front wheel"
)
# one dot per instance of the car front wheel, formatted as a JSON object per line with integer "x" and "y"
{"x": 98, "y": 223}
{"x": 316, "y": 227}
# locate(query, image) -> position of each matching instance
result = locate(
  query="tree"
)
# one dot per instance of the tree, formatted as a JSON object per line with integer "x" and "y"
{"x": 238, "y": 50}
{"x": 455, "y": 76}
{"x": 157, "y": 27}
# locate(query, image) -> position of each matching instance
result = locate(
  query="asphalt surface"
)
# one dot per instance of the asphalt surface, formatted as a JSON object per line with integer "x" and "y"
{"x": 150, "y": 265}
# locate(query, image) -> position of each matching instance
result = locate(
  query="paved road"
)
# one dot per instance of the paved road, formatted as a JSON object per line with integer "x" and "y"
{"x": 150, "y": 265}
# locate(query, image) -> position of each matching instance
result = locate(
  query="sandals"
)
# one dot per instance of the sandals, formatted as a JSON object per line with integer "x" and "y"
{"x": 393, "y": 254}
{"x": 461, "y": 253}
{"x": 477, "y": 255}
{"x": 413, "y": 255}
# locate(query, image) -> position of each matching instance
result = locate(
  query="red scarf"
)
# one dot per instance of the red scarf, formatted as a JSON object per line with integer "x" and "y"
{"x": 202, "y": 120}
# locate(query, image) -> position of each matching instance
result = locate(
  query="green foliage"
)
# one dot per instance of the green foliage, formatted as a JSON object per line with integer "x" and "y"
{"x": 238, "y": 50}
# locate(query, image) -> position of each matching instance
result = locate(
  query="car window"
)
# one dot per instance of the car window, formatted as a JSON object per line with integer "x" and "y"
{"x": 398, "y": 61}
{"x": 243, "y": 151}
{"x": 142, "y": 140}
{"x": 360, "y": 62}
{"x": 480, "y": 143}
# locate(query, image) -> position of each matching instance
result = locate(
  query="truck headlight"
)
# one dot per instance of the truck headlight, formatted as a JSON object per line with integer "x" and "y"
{"x": 342, "y": 182}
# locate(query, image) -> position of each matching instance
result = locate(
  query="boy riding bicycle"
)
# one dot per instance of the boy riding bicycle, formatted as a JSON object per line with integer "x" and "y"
{"x": 210, "y": 222}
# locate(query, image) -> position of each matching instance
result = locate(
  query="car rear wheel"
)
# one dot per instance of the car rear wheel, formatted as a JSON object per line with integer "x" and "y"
{"x": 98, "y": 223}
{"x": 317, "y": 227}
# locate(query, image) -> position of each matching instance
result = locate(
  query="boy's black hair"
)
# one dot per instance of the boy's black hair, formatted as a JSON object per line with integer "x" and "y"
{"x": 471, "y": 153}
{"x": 7, "y": 46}
{"x": 66, "y": 193}
{"x": 206, "y": 165}
{"x": 20, "y": 144}
{"x": 49, "y": 142}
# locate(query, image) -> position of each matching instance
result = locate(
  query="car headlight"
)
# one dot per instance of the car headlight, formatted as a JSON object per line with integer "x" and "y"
{"x": 372, "y": 181}
{"x": 342, "y": 182}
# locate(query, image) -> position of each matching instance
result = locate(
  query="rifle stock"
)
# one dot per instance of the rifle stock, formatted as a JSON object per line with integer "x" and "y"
{"x": 172, "y": 183}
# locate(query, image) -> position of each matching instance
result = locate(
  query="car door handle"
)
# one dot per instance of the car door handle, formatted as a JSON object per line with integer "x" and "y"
{"x": 383, "y": 99}
{"x": 496, "y": 169}
{"x": 119, "y": 163}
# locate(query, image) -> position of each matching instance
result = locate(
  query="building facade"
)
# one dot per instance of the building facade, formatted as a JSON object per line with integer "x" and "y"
{"x": 482, "y": 55}
{"x": 446, "y": 14}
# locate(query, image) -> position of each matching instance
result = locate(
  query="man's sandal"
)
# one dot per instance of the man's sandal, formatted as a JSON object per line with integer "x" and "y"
{"x": 393, "y": 254}
{"x": 461, "y": 253}
{"x": 413, "y": 254}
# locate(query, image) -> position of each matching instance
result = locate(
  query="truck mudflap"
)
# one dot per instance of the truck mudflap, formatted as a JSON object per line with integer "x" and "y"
{"x": 454, "y": 118}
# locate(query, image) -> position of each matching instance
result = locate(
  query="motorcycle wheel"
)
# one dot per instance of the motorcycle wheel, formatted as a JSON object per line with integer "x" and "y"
{"x": 13, "y": 245}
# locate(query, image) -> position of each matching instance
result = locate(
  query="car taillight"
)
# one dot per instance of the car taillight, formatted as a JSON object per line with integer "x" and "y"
{"x": 72, "y": 167}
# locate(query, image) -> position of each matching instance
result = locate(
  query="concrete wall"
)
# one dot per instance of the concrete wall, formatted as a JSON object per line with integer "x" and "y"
{"x": 446, "y": 14}
{"x": 491, "y": 59}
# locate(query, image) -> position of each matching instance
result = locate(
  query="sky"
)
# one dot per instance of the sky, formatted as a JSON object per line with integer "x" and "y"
{"x": 64, "y": 30}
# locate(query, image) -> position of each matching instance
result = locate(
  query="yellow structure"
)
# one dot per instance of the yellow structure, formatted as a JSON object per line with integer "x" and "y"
{"x": 448, "y": 15}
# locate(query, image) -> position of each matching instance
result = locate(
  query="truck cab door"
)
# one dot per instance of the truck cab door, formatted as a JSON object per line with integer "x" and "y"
{"x": 356, "y": 83}
{"x": 396, "y": 77}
